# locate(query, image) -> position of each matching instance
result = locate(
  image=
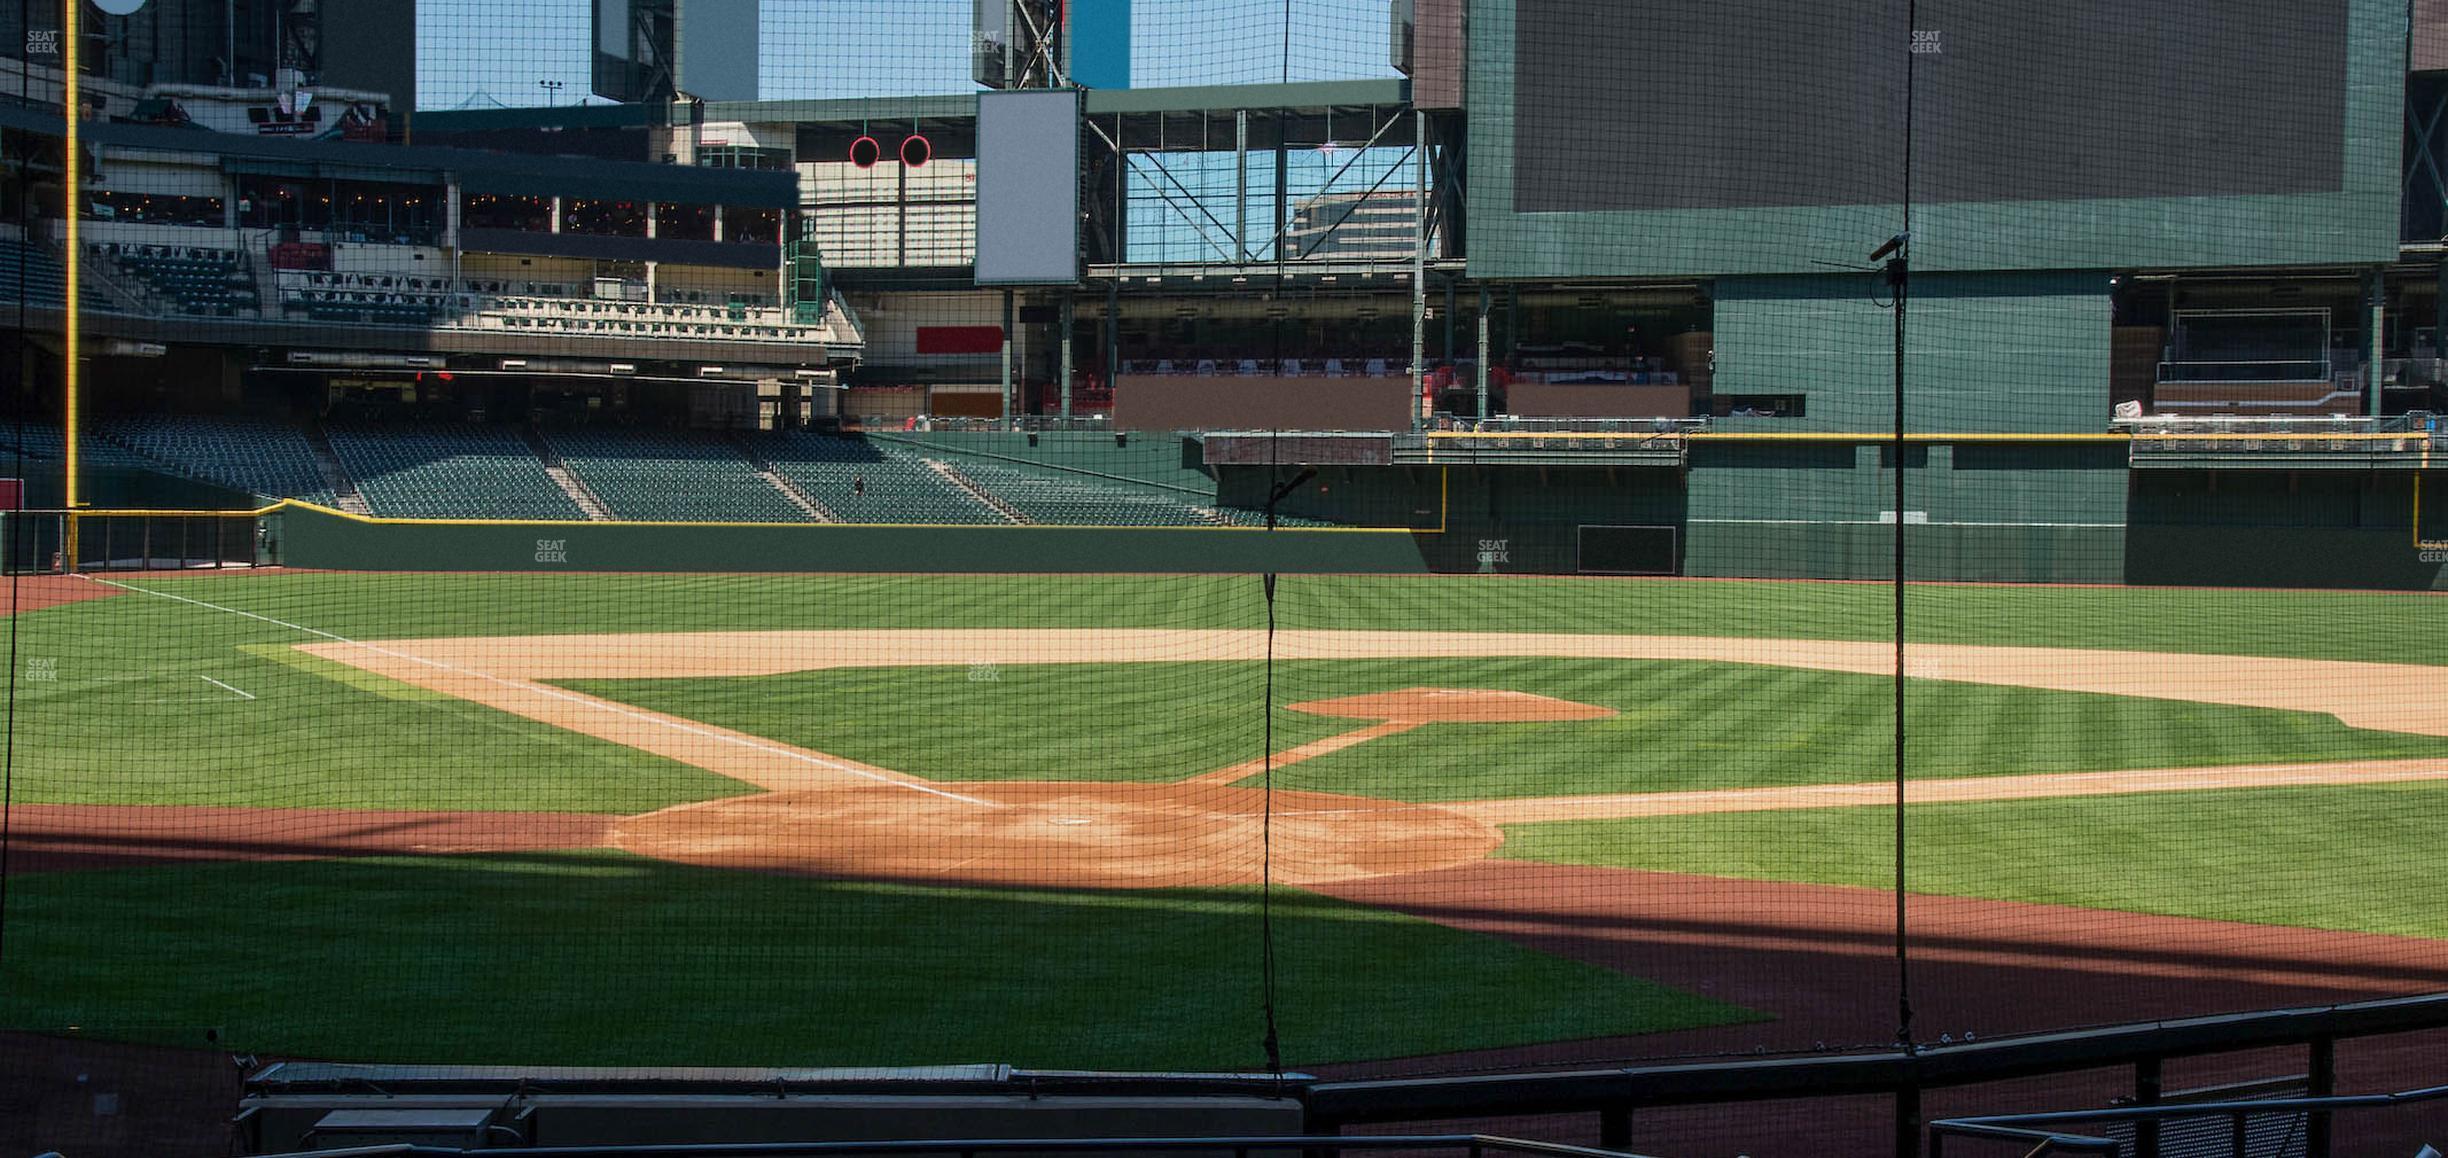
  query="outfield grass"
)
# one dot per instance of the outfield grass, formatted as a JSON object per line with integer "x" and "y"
{"x": 2376, "y": 626}
{"x": 127, "y": 717}
{"x": 2361, "y": 859}
{"x": 1682, "y": 725}
{"x": 597, "y": 958}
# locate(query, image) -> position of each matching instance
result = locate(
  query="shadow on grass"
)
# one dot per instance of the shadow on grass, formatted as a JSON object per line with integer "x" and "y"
{"x": 64, "y": 837}
{"x": 600, "y": 958}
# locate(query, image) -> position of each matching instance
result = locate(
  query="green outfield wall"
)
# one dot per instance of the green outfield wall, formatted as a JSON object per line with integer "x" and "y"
{"x": 319, "y": 540}
{"x": 2002, "y": 512}
{"x": 2242, "y": 528}
{"x": 1975, "y": 512}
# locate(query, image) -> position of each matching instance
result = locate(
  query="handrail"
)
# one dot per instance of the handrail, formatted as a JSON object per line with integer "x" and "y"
{"x": 2020, "y": 1125}
{"x": 1476, "y": 1145}
{"x": 1883, "y": 1072}
{"x": 2410, "y": 424}
{"x": 2051, "y": 1142}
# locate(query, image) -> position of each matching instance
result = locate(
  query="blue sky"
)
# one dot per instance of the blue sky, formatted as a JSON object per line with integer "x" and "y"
{"x": 841, "y": 48}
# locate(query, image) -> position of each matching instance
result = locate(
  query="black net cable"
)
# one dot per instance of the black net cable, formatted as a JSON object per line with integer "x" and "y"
{"x": 1273, "y": 1042}
{"x": 16, "y": 578}
{"x": 1287, "y": 51}
{"x": 1899, "y": 277}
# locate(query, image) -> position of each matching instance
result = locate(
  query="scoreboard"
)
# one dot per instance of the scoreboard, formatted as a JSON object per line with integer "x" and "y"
{"x": 1667, "y": 137}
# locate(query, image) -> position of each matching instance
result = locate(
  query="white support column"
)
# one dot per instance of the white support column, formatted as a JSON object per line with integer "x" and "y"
{"x": 1483, "y": 351}
{"x": 556, "y": 213}
{"x": 786, "y": 271}
{"x": 2375, "y": 295}
{"x": 1065, "y": 386}
{"x": 1241, "y": 185}
{"x": 1007, "y": 358}
{"x": 1419, "y": 271}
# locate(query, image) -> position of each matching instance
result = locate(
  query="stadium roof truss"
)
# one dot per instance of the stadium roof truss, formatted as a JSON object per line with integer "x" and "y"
{"x": 1366, "y": 130}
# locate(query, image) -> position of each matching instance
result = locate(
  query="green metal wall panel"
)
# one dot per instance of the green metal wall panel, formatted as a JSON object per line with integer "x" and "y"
{"x": 1976, "y": 512}
{"x": 2325, "y": 557}
{"x": 1955, "y": 554}
{"x": 2017, "y": 352}
{"x": 2366, "y": 500}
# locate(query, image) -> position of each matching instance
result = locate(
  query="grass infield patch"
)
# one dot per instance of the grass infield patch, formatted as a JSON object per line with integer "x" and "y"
{"x": 2392, "y": 627}
{"x": 1680, "y": 725}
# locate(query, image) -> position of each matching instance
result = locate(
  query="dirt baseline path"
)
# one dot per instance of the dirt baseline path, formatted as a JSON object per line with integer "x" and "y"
{"x": 2385, "y": 696}
{"x": 828, "y": 814}
{"x": 36, "y": 592}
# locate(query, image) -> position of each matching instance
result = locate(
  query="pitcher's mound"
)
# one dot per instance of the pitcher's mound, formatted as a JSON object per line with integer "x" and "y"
{"x": 1454, "y": 706}
{"x": 1130, "y": 836}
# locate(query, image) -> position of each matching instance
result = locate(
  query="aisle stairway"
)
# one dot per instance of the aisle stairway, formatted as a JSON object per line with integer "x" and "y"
{"x": 438, "y": 469}
{"x": 589, "y": 504}
{"x": 858, "y": 481}
{"x": 345, "y": 494}
{"x": 789, "y": 487}
{"x": 688, "y": 476}
{"x": 952, "y": 474}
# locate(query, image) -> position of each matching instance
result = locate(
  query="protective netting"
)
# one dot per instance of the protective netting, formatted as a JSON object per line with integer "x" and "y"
{"x": 1515, "y": 534}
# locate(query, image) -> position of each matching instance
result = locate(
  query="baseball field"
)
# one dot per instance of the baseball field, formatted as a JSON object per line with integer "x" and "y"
{"x": 901, "y": 820}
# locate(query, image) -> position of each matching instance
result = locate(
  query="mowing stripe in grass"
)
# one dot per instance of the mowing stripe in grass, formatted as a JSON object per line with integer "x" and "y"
{"x": 582, "y": 700}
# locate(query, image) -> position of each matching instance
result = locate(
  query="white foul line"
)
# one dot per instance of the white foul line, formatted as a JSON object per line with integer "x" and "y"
{"x": 557, "y": 693}
{"x": 225, "y": 687}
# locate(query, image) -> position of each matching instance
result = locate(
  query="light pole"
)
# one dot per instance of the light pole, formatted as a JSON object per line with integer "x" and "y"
{"x": 552, "y": 91}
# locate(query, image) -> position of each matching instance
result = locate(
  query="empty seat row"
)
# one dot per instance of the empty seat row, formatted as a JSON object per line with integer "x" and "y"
{"x": 682, "y": 476}
{"x": 1074, "y": 500}
{"x": 320, "y": 279}
{"x": 42, "y": 279}
{"x": 264, "y": 457}
{"x": 866, "y": 482}
{"x": 448, "y": 470}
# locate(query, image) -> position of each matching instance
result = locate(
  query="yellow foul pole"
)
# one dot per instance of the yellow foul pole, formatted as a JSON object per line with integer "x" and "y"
{"x": 71, "y": 108}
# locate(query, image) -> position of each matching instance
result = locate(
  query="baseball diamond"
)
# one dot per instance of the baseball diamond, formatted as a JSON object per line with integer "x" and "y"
{"x": 858, "y": 766}
{"x": 1758, "y": 578}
